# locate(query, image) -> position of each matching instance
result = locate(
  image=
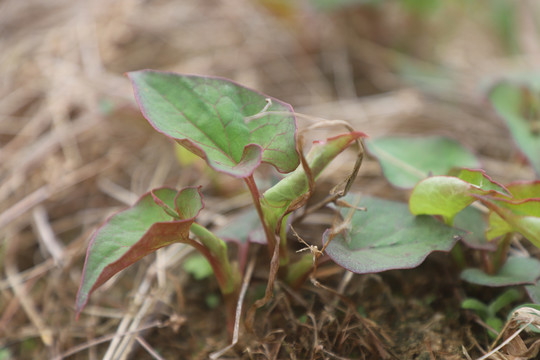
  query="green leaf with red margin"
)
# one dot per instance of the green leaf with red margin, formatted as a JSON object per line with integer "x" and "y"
{"x": 387, "y": 236}
{"x": 230, "y": 126}
{"x": 130, "y": 235}
{"x": 519, "y": 213}
{"x": 448, "y": 195}
{"x": 480, "y": 179}
{"x": 407, "y": 160}
{"x": 522, "y": 216}
{"x": 518, "y": 104}
{"x": 522, "y": 190}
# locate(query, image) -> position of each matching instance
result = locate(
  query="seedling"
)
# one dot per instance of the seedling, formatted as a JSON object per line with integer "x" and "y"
{"x": 235, "y": 129}
{"x": 488, "y": 313}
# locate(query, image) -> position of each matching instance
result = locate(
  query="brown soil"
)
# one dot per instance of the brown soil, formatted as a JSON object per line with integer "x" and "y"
{"x": 74, "y": 149}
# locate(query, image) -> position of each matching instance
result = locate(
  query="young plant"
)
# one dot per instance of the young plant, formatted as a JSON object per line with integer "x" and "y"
{"x": 235, "y": 129}
{"x": 488, "y": 312}
{"x": 492, "y": 214}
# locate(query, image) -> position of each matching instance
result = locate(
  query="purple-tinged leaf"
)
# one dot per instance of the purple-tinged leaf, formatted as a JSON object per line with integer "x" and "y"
{"x": 130, "y": 235}
{"x": 230, "y": 126}
{"x": 387, "y": 237}
{"x": 516, "y": 271}
{"x": 407, "y": 160}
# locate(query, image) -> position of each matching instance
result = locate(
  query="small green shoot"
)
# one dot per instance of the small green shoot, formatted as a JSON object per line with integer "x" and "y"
{"x": 488, "y": 313}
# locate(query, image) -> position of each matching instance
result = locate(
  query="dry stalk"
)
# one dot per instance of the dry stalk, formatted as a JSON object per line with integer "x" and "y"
{"x": 26, "y": 301}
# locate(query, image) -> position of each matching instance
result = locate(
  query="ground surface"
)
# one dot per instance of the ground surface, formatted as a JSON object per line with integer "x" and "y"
{"x": 74, "y": 149}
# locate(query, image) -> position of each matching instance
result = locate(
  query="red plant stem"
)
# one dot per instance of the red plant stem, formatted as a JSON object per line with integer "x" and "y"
{"x": 255, "y": 195}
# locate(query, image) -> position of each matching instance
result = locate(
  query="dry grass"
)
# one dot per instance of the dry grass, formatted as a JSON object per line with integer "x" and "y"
{"x": 73, "y": 148}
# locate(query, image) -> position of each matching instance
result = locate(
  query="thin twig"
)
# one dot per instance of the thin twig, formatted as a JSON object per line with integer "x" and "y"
{"x": 46, "y": 234}
{"x": 106, "y": 338}
{"x": 505, "y": 342}
{"x": 148, "y": 348}
{"x": 25, "y": 300}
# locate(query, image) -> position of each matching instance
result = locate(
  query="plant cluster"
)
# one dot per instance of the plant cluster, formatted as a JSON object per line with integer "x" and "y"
{"x": 235, "y": 129}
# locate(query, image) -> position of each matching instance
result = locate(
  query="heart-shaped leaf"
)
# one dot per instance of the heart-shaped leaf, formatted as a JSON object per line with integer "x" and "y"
{"x": 130, "y": 235}
{"x": 407, "y": 160}
{"x": 516, "y": 271}
{"x": 387, "y": 237}
{"x": 519, "y": 106}
{"x": 230, "y": 126}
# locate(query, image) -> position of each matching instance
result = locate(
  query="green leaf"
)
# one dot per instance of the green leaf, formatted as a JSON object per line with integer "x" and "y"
{"x": 130, "y": 235}
{"x": 448, "y": 195}
{"x": 407, "y": 160}
{"x": 523, "y": 190}
{"x": 505, "y": 299}
{"x": 497, "y": 226}
{"x": 479, "y": 307}
{"x": 388, "y": 237}
{"x": 198, "y": 266}
{"x": 522, "y": 216}
{"x": 516, "y": 271}
{"x": 480, "y": 179}
{"x": 232, "y": 127}
{"x": 442, "y": 195}
{"x": 519, "y": 106}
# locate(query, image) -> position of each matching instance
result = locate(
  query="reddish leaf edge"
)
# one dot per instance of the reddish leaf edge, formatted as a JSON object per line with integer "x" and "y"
{"x": 375, "y": 270}
{"x": 485, "y": 175}
{"x": 195, "y": 149}
{"x": 79, "y": 307}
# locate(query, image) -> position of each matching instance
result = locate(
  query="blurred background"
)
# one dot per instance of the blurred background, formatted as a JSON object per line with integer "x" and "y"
{"x": 74, "y": 149}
